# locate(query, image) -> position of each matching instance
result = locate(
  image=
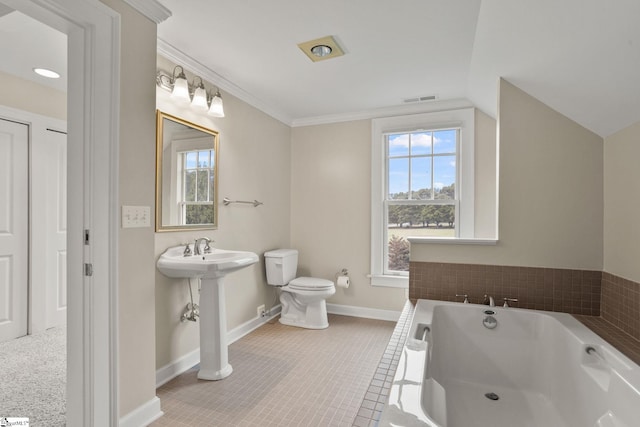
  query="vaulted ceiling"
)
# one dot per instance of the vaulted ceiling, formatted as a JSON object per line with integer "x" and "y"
{"x": 581, "y": 57}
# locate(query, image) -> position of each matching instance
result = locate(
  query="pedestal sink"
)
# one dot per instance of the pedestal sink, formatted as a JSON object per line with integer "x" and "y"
{"x": 211, "y": 269}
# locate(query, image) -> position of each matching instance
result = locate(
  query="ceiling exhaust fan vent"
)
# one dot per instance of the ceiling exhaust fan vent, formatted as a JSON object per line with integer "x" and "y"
{"x": 419, "y": 99}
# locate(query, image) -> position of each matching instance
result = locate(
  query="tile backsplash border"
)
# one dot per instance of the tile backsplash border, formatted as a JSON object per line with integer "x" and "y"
{"x": 550, "y": 289}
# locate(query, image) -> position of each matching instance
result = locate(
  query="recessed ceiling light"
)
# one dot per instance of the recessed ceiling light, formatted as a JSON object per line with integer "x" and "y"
{"x": 320, "y": 49}
{"x": 46, "y": 73}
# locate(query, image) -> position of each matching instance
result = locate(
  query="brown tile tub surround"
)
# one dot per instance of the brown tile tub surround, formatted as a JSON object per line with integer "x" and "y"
{"x": 621, "y": 303}
{"x": 550, "y": 289}
{"x": 607, "y": 304}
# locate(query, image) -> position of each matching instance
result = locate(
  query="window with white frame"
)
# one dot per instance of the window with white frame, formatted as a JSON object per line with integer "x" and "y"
{"x": 422, "y": 186}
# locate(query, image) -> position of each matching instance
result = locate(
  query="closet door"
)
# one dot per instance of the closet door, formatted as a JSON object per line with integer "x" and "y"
{"x": 56, "y": 221}
{"x": 14, "y": 234}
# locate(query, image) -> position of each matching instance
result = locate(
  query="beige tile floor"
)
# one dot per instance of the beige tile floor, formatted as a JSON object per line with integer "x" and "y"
{"x": 284, "y": 376}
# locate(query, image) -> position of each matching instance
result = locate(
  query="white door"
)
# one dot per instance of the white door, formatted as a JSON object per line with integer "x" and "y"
{"x": 14, "y": 223}
{"x": 56, "y": 218}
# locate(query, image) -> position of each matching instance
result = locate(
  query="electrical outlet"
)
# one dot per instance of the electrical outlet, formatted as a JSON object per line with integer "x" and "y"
{"x": 261, "y": 311}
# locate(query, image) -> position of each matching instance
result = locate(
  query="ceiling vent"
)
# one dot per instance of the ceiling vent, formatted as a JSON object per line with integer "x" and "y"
{"x": 420, "y": 99}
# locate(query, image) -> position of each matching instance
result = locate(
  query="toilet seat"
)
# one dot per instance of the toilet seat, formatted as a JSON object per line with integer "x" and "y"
{"x": 310, "y": 284}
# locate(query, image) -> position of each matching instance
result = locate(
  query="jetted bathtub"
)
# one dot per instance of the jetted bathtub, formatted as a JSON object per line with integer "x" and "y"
{"x": 470, "y": 365}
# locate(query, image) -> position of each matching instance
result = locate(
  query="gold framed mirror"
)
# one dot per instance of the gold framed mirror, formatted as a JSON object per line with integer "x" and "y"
{"x": 186, "y": 175}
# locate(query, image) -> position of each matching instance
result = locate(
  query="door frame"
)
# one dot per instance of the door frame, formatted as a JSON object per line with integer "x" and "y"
{"x": 93, "y": 111}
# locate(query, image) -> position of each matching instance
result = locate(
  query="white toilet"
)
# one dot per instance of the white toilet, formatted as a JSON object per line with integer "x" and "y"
{"x": 302, "y": 298}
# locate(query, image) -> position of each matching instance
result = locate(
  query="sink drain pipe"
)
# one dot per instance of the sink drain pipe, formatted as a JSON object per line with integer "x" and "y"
{"x": 191, "y": 311}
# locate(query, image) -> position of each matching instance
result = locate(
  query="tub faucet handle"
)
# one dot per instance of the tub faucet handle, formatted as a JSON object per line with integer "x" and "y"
{"x": 466, "y": 297}
{"x": 508, "y": 300}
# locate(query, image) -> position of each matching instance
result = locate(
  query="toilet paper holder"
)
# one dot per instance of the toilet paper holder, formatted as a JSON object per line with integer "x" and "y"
{"x": 343, "y": 272}
{"x": 342, "y": 279}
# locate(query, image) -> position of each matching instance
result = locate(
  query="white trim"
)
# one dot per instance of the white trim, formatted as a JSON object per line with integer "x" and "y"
{"x": 465, "y": 119}
{"x": 184, "y": 60}
{"x": 93, "y": 31}
{"x": 396, "y": 110}
{"x": 152, "y": 9}
{"x": 189, "y": 360}
{"x": 143, "y": 415}
{"x": 246, "y": 328}
{"x": 365, "y": 312}
{"x": 177, "y": 367}
{"x": 388, "y": 281}
{"x": 451, "y": 241}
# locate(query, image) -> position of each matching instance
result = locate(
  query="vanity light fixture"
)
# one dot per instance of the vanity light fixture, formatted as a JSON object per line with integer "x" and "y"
{"x": 194, "y": 94}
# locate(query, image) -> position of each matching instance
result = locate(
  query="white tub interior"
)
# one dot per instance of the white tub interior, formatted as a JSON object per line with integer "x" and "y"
{"x": 535, "y": 363}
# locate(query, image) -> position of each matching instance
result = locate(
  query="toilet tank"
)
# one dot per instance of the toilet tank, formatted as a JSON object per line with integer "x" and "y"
{"x": 281, "y": 266}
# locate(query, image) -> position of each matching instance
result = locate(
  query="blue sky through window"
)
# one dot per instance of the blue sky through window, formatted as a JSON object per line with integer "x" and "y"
{"x": 413, "y": 155}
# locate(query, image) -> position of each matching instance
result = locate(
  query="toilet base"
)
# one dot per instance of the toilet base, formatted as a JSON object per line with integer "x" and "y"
{"x": 305, "y": 309}
{"x": 302, "y": 323}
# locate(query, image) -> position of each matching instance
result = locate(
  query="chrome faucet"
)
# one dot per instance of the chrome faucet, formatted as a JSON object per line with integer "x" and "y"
{"x": 207, "y": 248}
{"x": 489, "y": 301}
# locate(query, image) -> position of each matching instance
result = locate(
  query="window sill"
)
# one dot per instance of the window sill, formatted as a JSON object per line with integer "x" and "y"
{"x": 389, "y": 281}
{"x": 452, "y": 241}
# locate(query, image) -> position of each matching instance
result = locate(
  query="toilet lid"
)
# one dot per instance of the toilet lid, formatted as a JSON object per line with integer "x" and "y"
{"x": 310, "y": 284}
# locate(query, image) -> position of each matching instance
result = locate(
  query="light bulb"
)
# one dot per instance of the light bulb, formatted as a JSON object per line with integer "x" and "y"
{"x": 181, "y": 90}
{"x": 216, "y": 109}
{"x": 200, "y": 98}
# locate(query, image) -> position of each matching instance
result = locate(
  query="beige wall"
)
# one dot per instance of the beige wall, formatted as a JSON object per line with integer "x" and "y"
{"x": 136, "y": 289}
{"x": 30, "y": 96}
{"x": 254, "y": 162}
{"x": 550, "y": 192}
{"x": 331, "y": 210}
{"x": 622, "y": 205}
{"x": 485, "y": 176}
{"x": 331, "y": 204}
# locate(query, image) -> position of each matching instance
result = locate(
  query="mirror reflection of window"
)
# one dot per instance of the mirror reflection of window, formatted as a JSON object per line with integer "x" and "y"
{"x": 196, "y": 195}
{"x": 186, "y": 180}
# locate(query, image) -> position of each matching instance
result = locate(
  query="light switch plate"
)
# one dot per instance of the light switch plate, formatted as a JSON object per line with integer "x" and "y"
{"x": 136, "y": 216}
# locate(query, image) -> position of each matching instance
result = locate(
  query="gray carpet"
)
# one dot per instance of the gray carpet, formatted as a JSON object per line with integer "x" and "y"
{"x": 33, "y": 374}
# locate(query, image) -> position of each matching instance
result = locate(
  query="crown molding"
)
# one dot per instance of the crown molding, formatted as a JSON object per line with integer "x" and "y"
{"x": 178, "y": 57}
{"x": 152, "y": 9}
{"x": 396, "y": 110}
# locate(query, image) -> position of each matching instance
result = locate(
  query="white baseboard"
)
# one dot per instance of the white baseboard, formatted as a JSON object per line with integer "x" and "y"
{"x": 369, "y": 313}
{"x": 177, "y": 367}
{"x": 246, "y": 328}
{"x": 143, "y": 415}
{"x": 189, "y": 360}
